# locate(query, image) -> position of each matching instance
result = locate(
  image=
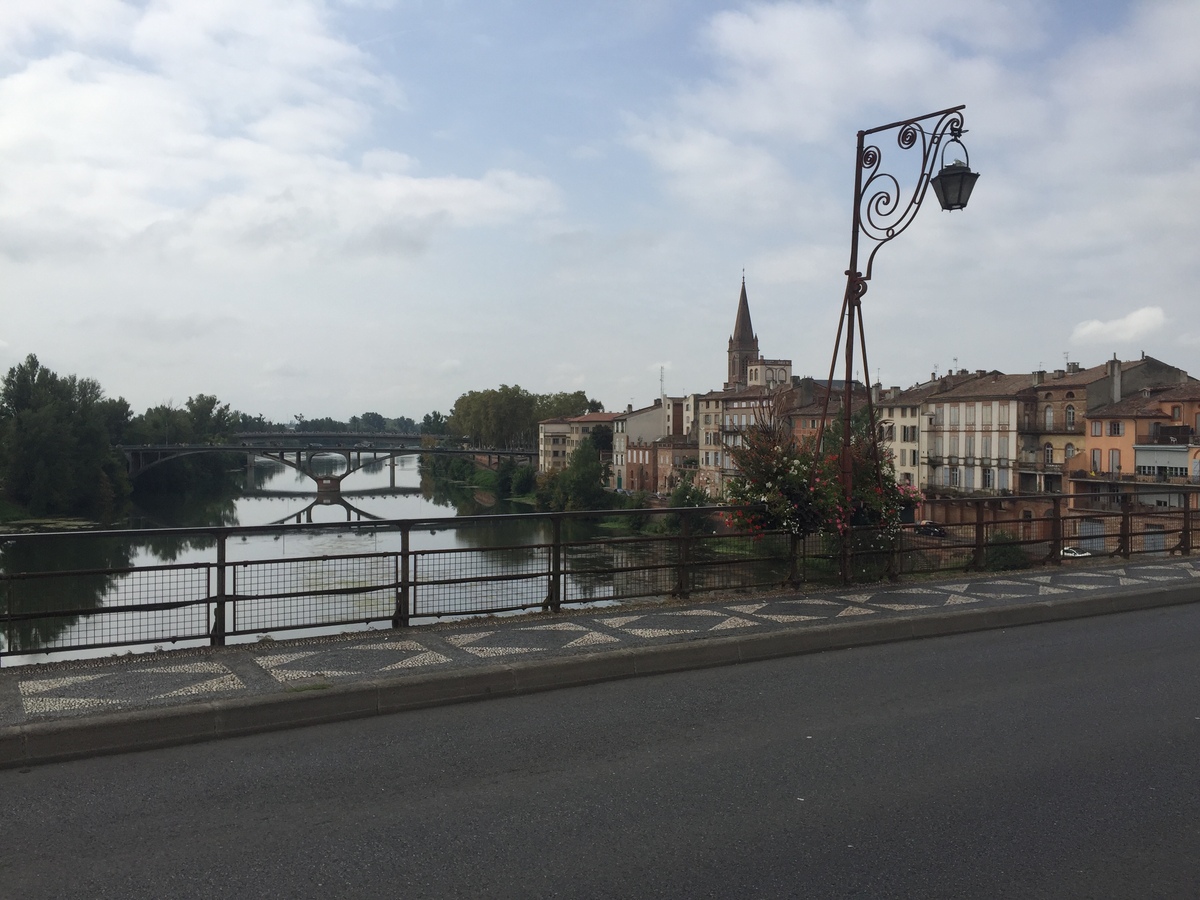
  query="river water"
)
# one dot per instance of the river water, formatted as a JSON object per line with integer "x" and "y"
{"x": 270, "y": 494}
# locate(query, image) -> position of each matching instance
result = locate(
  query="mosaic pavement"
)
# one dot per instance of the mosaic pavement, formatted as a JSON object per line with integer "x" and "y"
{"x": 133, "y": 682}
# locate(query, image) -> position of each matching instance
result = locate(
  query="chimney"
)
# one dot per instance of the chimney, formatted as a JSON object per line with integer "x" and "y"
{"x": 1038, "y": 377}
{"x": 1059, "y": 373}
{"x": 1073, "y": 368}
{"x": 628, "y": 407}
{"x": 979, "y": 373}
{"x": 1114, "y": 379}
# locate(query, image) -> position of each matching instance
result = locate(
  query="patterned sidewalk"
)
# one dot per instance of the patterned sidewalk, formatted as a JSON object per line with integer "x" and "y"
{"x": 79, "y": 689}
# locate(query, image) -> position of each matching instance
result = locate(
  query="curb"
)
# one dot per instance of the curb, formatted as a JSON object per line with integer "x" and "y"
{"x": 67, "y": 739}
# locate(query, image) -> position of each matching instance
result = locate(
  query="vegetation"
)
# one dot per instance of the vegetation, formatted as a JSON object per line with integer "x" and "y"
{"x": 1003, "y": 552}
{"x": 578, "y": 486}
{"x": 56, "y": 443}
{"x": 798, "y": 487}
{"x": 511, "y": 479}
{"x": 507, "y": 416}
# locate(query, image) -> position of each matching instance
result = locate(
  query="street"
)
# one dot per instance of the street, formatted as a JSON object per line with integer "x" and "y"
{"x": 1054, "y": 761}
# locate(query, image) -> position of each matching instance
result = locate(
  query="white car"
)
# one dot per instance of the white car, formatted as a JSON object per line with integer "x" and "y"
{"x": 1074, "y": 553}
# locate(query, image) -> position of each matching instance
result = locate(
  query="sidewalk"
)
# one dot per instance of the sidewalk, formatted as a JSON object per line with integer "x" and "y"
{"x": 130, "y": 702}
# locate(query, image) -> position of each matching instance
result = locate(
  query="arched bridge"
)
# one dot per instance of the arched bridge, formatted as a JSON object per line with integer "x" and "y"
{"x": 357, "y": 455}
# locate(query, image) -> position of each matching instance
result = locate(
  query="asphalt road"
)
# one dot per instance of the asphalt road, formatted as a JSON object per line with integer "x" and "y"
{"x": 1055, "y": 761}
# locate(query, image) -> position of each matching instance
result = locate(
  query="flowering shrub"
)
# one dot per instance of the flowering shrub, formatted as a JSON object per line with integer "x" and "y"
{"x": 799, "y": 489}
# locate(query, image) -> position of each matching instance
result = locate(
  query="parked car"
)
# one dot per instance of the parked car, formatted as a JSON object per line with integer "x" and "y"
{"x": 1074, "y": 553}
{"x": 930, "y": 528}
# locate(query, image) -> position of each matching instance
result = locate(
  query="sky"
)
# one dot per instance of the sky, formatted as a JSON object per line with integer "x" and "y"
{"x": 327, "y": 207}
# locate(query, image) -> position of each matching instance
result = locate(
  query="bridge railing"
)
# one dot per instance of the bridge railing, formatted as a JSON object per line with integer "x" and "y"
{"x": 83, "y": 592}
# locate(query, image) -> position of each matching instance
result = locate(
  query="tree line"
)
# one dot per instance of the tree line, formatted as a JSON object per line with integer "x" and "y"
{"x": 60, "y": 437}
{"x": 507, "y": 417}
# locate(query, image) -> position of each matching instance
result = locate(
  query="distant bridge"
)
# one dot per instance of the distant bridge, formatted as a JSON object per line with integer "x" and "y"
{"x": 358, "y": 455}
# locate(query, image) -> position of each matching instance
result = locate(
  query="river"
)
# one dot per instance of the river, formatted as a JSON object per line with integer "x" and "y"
{"x": 270, "y": 494}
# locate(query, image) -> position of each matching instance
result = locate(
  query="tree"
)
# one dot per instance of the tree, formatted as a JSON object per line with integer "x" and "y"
{"x": 578, "y": 486}
{"x": 372, "y": 421}
{"x": 602, "y": 437}
{"x": 56, "y": 443}
{"x": 433, "y": 423}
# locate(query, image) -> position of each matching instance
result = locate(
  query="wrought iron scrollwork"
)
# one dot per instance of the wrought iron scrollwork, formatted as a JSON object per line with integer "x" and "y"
{"x": 881, "y": 212}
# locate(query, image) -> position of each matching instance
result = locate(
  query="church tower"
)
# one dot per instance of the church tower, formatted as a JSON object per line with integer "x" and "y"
{"x": 743, "y": 345}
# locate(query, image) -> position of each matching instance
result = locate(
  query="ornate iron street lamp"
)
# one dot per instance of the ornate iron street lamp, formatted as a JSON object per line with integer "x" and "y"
{"x": 881, "y": 214}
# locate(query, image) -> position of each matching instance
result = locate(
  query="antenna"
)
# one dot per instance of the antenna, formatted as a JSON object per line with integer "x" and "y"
{"x": 662, "y": 381}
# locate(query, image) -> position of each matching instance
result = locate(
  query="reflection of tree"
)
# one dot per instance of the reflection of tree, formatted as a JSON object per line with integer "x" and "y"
{"x": 78, "y": 594}
{"x": 183, "y": 511}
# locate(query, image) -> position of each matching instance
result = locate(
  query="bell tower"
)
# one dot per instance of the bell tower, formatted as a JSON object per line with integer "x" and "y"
{"x": 743, "y": 345}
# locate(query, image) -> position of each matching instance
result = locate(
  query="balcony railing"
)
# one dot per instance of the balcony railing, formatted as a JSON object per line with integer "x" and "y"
{"x": 1160, "y": 439}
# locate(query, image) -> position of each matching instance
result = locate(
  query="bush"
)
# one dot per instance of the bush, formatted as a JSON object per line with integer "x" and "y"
{"x": 1003, "y": 552}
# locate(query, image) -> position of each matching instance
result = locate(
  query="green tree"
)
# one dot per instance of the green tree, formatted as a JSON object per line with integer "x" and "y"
{"x": 56, "y": 443}
{"x": 372, "y": 421}
{"x": 578, "y": 486}
{"x": 433, "y": 423}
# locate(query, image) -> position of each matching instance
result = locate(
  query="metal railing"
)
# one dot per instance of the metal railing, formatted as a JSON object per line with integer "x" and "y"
{"x": 81, "y": 591}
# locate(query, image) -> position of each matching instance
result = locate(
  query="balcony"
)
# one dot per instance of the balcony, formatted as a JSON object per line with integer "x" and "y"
{"x": 1169, "y": 436}
{"x": 1037, "y": 465}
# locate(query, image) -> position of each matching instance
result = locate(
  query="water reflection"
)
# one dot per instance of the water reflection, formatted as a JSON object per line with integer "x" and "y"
{"x": 48, "y": 592}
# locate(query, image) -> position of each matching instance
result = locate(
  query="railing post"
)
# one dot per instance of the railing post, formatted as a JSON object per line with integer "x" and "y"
{"x": 681, "y": 573}
{"x": 554, "y": 594}
{"x": 217, "y": 635}
{"x": 403, "y": 606}
{"x": 793, "y": 543}
{"x": 1126, "y": 526}
{"x": 1185, "y": 537}
{"x": 980, "y": 555}
{"x": 1056, "y": 535}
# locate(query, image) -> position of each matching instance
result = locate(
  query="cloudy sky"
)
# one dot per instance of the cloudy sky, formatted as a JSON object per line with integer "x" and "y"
{"x": 331, "y": 207}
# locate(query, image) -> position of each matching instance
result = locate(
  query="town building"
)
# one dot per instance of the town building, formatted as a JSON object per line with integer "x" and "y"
{"x": 633, "y": 459}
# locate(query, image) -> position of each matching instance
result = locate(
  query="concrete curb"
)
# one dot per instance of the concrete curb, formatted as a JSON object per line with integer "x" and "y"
{"x": 67, "y": 739}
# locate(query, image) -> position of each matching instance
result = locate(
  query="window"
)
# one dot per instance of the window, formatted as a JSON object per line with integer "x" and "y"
{"x": 953, "y": 415}
{"x": 1070, "y": 411}
{"x": 1002, "y": 450}
{"x": 1002, "y": 480}
{"x": 985, "y": 416}
{"x": 1049, "y": 418}
{"x": 939, "y": 415}
{"x": 1097, "y": 428}
{"x": 1176, "y": 413}
{"x": 1096, "y": 460}
{"x": 1068, "y": 451}
{"x": 1116, "y": 429}
{"x": 1114, "y": 460}
{"x": 1003, "y": 417}
{"x": 1048, "y": 451}
{"x": 969, "y": 450}
{"x": 970, "y": 413}
{"x": 955, "y": 475}
{"x": 989, "y": 479}
{"x": 986, "y": 449}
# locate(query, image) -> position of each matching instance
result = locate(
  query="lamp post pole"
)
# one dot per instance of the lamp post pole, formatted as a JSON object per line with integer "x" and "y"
{"x": 880, "y": 214}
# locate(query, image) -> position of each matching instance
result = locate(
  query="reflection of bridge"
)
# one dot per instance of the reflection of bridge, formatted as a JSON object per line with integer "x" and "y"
{"x": 357, "y": 456}
{"x": 353, "y": 513}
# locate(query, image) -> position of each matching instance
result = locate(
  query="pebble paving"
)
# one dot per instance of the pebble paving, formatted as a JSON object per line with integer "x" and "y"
{"x": 164, "y": 679}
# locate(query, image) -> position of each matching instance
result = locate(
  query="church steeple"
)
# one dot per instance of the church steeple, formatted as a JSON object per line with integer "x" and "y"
{"x": 743, "y": 331}
{"x": 743, "y": 344}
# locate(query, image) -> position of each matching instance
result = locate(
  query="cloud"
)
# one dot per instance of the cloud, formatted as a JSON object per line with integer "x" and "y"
{"x": 1138, "y": 324}
{"x": 212, "y": 128}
